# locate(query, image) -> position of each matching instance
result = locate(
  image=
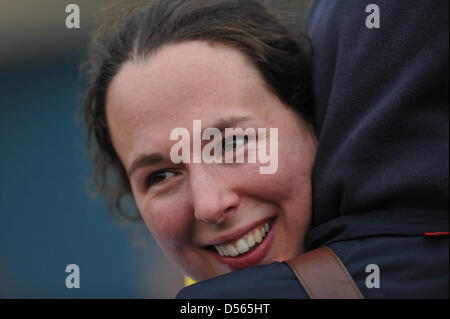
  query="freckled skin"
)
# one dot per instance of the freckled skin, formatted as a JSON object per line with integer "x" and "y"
{"x": 200, "y": 202}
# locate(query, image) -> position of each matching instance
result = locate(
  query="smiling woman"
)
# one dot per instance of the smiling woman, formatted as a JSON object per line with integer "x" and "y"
{"x": 164, "y": 65}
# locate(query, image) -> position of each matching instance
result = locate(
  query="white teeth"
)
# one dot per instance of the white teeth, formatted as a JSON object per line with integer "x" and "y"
{"x": 243, "y": 245}
{"x": 258, "y": 236}
{"x": 232, "y": 251}
{"x": 251, "y": 241}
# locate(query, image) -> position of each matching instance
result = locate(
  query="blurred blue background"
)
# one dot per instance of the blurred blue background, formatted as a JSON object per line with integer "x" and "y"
{"x": 47, "y": 219}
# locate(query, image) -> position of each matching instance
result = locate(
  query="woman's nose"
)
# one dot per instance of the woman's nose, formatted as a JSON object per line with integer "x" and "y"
{"x": 213, "y": 198}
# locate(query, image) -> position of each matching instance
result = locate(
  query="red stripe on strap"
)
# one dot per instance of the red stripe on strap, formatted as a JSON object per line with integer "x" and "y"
{"x": 437, "y": 234}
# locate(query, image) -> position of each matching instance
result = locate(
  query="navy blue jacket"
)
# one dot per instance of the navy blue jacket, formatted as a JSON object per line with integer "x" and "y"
{"x": 380, "y": 180}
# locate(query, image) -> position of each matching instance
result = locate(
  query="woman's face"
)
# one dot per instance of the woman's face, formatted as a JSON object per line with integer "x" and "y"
{"x": 197, "y": 211}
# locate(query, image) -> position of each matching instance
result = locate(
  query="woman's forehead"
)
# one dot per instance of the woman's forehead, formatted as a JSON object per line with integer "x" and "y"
{"x": 184, "y": 70}
{"x": 182, "y": 78}
{"x": 179, "y": 84}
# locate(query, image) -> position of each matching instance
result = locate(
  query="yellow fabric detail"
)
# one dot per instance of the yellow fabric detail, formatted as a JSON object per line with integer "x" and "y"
{"x": 188, "y": 281}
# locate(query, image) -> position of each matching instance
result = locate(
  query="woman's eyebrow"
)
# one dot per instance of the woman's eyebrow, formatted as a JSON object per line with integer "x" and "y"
{"x": 230, "y": 122}
{"x": 145, "y": 160}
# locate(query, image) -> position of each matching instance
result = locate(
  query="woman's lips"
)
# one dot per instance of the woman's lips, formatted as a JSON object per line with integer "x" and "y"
{"x": 253, "y": 256}
{"x": 236, "y": 234}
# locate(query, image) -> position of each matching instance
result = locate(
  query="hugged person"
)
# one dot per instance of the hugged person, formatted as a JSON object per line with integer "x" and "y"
{"x": 381, "y": 173}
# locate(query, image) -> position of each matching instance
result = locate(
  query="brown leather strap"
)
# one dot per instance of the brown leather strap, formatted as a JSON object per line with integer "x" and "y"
{"x": 324, "y": 276}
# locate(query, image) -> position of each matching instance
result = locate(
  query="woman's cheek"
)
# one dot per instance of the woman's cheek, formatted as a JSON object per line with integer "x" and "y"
{"x": 169, "y": 222}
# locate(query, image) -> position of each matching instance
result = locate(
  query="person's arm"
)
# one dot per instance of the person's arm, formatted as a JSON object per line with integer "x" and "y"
{"x": 260, "y": 282}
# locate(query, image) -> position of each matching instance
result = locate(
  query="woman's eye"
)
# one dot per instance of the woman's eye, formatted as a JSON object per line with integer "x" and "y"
{"x": 157, "y": 177}
{"x": 233, "y": 142}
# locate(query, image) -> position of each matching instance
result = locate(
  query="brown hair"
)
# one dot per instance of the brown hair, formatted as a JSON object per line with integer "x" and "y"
{"x": 135, "y": 29}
